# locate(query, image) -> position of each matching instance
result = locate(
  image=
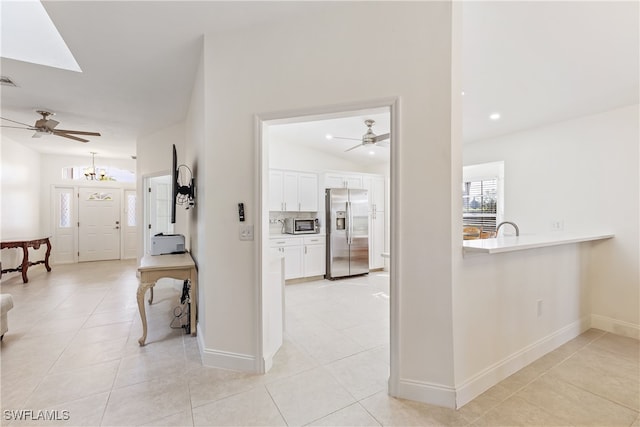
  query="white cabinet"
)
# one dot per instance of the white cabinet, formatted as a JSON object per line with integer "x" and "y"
{"x": 340, "y": 180}
{"x": 376, "y": 239}
{"x": 292, "y": 249}
{"x": 314, "y": 256}
{"x": 303, "y": 256}
{"x": 308, "y": 192}
{"x": 291, "y": 191}
{"x": 377, "y": 227}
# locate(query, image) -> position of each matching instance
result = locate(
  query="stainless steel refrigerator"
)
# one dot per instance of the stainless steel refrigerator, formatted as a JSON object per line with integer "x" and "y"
{"x": 347, "y": 228}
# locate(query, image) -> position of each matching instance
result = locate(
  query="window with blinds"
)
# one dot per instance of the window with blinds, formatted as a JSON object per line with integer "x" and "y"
{"x": 480, "y": 203}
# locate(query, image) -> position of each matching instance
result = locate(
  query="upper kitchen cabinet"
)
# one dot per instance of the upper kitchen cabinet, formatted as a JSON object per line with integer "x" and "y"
{"x": 291, "y": 191}
{"x": 340, "y": 180}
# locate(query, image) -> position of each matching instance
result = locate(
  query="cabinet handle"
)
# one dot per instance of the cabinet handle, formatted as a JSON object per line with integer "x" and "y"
{"x": 305, "y": 250}
{"x": 281, "y": 243}
{"x": 299, "y": 206}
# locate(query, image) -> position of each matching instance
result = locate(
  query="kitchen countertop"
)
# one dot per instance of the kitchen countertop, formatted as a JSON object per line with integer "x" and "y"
{"x": 288, "y": 236}
{"x": 530, "y": 241}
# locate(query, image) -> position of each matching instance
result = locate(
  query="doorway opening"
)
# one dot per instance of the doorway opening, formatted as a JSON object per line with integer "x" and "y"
{"x": 347, "y": 320}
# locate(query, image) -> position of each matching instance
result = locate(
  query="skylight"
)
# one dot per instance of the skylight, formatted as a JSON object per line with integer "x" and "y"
{"x": 28, "y": 34}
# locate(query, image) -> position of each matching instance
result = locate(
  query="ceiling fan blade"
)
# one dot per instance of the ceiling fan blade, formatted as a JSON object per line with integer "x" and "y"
{"x": 16, "y": 127}
{"x": 77, "y": 132}
{"x": 353, "y": 148}
{"x": 57, "y": 133}
{"x": 383, "y": 143}
{"x": 381, "y": 137}
{"x": 342, "y": 137}
{"x": 20, "y": 123}
{"x": 50, "y": 124}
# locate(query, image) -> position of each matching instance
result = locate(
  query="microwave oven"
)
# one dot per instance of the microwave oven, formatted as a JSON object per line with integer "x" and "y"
{"x": 301, "y": 225}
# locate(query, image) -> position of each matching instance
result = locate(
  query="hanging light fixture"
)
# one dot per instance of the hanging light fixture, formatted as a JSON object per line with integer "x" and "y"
{"x": 91, "y": 173}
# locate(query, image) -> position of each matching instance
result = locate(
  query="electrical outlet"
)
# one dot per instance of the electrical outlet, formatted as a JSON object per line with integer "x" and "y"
{"x": 246, "y": 232}
{"x": 557, "y": 225}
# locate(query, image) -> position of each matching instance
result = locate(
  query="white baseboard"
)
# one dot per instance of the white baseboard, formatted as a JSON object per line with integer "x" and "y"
{"x": 434, "y": 394}
{"x": 224, "y": 359}
{"x": 479, "y": 383}
{"x": 615, "y": 326}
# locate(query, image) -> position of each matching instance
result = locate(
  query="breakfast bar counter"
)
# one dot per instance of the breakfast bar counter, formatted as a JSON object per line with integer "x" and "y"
{"x": 532, "y": 241}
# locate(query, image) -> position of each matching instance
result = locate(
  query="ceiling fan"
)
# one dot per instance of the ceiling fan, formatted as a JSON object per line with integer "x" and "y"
{"x": 46, "y": 126}
{"x": 368, "y": 138}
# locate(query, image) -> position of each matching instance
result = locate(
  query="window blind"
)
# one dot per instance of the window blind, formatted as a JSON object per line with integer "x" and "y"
{"x": 480, "y": 204}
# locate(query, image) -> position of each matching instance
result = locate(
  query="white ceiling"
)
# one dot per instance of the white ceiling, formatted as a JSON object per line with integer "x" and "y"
{"x": 534, "y": 62}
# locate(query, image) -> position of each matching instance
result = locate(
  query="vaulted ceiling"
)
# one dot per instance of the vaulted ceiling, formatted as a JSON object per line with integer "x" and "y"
{"x": 533, "y": 62}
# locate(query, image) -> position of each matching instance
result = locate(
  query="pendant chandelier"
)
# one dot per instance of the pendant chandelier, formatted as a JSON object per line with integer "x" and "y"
{"x": 91, "y": 174}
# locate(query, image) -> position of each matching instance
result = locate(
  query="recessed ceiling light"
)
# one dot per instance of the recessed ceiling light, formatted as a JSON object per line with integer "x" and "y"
{"x": 329, "y": 136}
{"x": 462, "y": 93}
{"x": 494, "y": 116}
{"x": 372, "y": 153}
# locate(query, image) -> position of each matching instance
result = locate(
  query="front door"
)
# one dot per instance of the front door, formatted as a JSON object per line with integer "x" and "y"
{"x": 99, "y": 224}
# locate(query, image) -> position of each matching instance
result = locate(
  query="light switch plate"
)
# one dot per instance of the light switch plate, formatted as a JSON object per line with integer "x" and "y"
{"x": 246, "y": 232}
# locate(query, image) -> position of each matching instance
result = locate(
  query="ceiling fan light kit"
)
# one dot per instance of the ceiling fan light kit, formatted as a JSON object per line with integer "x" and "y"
{"x": 46, "y": 126}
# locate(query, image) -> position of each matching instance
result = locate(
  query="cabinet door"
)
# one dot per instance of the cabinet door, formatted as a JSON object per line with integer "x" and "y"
{"x": 354, "y": 181}
{"x": 308, "y": 192}
{"x": 293, "y": 262}
{"x": 290, "y": 191}
{"x": 376, "y": 186}
{"x": 276, "y": 185}
{"x": 314, "y": 260}
{"x": 334, "y": 181}
{"x": 377, "y": 239}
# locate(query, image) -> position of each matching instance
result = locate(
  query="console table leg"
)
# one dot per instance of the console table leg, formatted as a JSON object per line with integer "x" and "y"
{"x": 46, "y": 256}
{"x": 142, "y": 289}
{"x": 25, "y": 262}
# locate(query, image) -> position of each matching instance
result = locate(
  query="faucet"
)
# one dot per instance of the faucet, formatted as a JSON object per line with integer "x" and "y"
{"x": 508, "y": 222}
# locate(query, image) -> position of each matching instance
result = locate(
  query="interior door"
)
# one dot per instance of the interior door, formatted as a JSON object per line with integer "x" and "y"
{"x": 157, "y": 208}
{"x": 99, "y": 224}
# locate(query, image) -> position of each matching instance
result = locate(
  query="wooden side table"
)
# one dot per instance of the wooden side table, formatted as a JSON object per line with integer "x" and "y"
{"x": 25, "y": 245}
{"x": 155, "y": 267}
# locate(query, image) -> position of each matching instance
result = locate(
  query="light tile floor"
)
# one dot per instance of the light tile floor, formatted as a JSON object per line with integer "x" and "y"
{"x": 72, "y": 346}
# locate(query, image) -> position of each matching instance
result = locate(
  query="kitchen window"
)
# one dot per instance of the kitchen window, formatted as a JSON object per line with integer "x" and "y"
{"x": 480, "y": 204}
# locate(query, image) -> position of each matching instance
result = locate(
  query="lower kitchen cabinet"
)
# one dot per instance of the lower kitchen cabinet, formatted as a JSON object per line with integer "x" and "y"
{"x": 303, "y": 256}
{"x": 314, "y": 256}
{"x": 376, "y": 239}
{"x": 293, "y": 250}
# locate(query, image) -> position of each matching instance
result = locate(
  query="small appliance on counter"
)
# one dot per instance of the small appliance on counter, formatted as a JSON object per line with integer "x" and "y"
{"x": 164, "y": 244}
{"x": 301, "y": 226}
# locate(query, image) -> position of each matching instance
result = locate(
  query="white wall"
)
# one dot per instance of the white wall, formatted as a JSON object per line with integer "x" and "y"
{"x": 154, "y": 158}
{"x": 21, "y": 169}
{"x": 298, "y": 157}
{"x": 584, "y": 173}
{"x": 20, "y": 187}
{"x": 287, "y": 66}
{"x": 194, "y": 151}
{"x": 51, "y": 174}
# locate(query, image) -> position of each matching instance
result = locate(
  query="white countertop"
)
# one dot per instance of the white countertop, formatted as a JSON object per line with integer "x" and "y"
{"x": 531, "y": 241}
{"x": 285, "y": 236}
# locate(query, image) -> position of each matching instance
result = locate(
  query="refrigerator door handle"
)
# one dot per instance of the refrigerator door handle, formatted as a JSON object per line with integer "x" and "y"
{"x": 349, "y": 224}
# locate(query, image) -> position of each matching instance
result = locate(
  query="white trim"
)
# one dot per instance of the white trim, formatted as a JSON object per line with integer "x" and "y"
{"x": 310, "y": 114}
{"x": 434, "y": 394}
{"x": 615, "y": 326}
{"x": 502, "y": 369}
{"x": 227, "y": 360}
